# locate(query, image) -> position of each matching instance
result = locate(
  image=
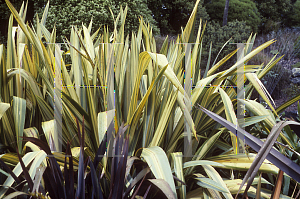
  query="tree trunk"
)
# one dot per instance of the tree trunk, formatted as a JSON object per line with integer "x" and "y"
{"x": 225, "y": 15}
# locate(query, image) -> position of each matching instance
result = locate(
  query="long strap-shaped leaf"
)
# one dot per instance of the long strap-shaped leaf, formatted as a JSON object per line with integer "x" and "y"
{"x": 279, "y": 160}
{"x": 287, "y": 104}
{"x": 19, "y": 108}
{"x": 80, "y": 193}
{"x": 160, "y": 167}
{"x": 262, "y": 153}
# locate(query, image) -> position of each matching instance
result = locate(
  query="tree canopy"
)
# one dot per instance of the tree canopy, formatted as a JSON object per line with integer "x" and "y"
{"x": 172, "y": 15}
{"x": 242, "y": 10}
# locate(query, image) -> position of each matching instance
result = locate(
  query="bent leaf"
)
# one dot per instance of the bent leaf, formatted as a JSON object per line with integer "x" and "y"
{"x": 3, "y": 108}
{"x": 210, "y": 184}
{"x": 164, "y": 187}
{"x": 159, "y": 165}
{"x": 279, "y": 160}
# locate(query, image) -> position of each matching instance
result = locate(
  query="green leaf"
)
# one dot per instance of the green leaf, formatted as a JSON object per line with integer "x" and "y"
{"x": 51, "y": 134}
{"x": 200, "y": 163}
{"x": 161, "y": 128}
{"x": 164, "y": 187}
{"x": 19, "y": 109}
{"x": 260, "y": 88}
{"x": 45, "y": 13}
{"x": 159, "y": 165}
{"x": 210, "y": 184}
{"x": 281, "y": 161}
{"x": 31, "y": 132}
{"x": 206, "y": 146}
{"x": 189, "y": 26}
{"x": 38, "y": 178}
{"x": 251, "y": 120}
{"x": 287, "y": 104}
{"x": 242, "y": 162}
{"x": 28, "y": 77}
{"x": 264, "y": 152}
{"x": 19, "y": 19}
{"x": 247, "y": 57}
{"x": 258, "y": 194}
{"x": 200, "y": 87}
{"x": 102, "y": 124}
{"x": 177, "y": 159}
{"x": 237, "y": 143}
{"x": 233, "y": 186}
{"x": 3, "y": 108}
{"x": 162, "y": 61}
{"x": 214, "y": 175}
{"x": 1, "y": 52}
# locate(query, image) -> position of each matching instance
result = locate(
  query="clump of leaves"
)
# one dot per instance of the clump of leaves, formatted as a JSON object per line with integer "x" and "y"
{"x": 94, "y": 179}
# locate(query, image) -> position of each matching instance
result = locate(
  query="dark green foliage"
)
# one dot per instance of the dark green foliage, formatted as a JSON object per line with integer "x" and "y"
{"x": 4, "y": 16}
{"x": 218, "y": 35}
{"x": 274, "y": 13}
{"x": 62, "y": 185}
{"x": 5, "y": 13}
{"x": 295, "y": 16}
{"x": 64, "y": 14}
{"x": 242, "y": 10}
{"x": 172, "y": 15}
{"x": 201, "y": 14}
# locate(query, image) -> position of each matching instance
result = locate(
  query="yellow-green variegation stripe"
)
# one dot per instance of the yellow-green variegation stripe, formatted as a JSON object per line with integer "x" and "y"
{"x": 19, "y": 113}
{"x": 178, "y": 169}
{"x": 3, "y": 108}
{"x": 243, "y": 162}
{"x": 159, "y": 133}
{"x": 237, "y": 143}
{"x": 214, "y": 175}
{"x": 252, "y": 77}
{"x": 51, "y": 134}
{"x": 159, "y": 165}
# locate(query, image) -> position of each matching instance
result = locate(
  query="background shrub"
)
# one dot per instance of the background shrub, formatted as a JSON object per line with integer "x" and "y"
{"x": 5, "y": 14}
{"x": 64, "y": 14}
{"x": 274, "y": 13}
{"x": 242, "y": 10}
{"x": 172, "y": 15}
{"x": 294, "y": 18}
{"x": 218, "y": 35}
{"x": 201, "y": 14}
